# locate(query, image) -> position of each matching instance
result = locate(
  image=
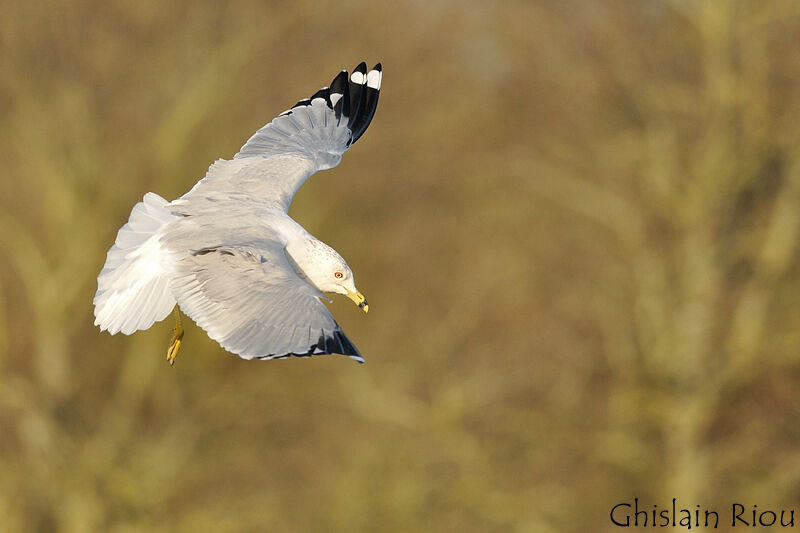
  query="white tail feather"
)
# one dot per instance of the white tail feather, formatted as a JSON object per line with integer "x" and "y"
{"x": 133, "y": 289}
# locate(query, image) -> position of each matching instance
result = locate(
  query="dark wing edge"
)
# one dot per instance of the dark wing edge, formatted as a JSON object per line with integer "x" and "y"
{"x": 317, "y": 121}
{"x": 329, "y": 342}
{"x": 369, "y": 84}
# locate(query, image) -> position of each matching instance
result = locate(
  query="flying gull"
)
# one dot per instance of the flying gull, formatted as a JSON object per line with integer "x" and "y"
{"x": 227, "y": 253}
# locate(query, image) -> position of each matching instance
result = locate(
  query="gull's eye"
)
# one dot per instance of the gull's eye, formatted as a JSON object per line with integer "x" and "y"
{"x": 338, "y": 275}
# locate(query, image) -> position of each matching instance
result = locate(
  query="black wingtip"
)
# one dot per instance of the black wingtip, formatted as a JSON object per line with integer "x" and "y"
{"x": 371, "y": 87}
{"x": 328, "y": 342}
{"x": 357, "y": 101}
{"x": 347, "y": 347}
{"x": 339, "y": 82}
{"x": 340, "y": 92}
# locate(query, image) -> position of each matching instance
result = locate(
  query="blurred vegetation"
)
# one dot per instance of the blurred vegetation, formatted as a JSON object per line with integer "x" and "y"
{"x": 576, "y": 223}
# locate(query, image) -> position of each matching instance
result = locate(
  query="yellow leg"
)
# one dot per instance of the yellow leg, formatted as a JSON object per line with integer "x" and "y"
{"x": 177, "y": 337}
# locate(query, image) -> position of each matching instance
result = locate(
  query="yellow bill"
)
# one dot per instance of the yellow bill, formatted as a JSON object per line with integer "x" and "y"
{"x": 359, "y": 300}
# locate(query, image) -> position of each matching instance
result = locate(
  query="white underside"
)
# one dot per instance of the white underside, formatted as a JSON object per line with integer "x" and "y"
{"x": 133, "y": 287}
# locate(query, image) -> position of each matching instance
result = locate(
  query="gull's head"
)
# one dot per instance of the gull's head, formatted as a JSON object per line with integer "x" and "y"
{"x": 342, "y": 282}
{"x": 327, "y": 271}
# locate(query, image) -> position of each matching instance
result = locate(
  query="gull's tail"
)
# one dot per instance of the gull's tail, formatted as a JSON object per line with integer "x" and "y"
{"x": 133, "y": 289}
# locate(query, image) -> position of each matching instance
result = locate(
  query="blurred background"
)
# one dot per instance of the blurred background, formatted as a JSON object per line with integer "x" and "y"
{"x": 576, "y": 224}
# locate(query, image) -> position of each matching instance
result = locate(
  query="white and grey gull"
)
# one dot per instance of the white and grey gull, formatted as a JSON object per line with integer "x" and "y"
{"x": 228, "y": 254}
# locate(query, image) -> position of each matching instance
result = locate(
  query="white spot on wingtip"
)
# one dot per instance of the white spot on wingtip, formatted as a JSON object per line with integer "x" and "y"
{"x": 335, "y": 97}
{"x": 374, "y": 79}
{"x": 357, "y": 77}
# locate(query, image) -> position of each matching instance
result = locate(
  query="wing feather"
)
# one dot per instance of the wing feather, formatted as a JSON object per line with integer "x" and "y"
{"x": 311, "y": 136}
{"x": 248, "y": 298}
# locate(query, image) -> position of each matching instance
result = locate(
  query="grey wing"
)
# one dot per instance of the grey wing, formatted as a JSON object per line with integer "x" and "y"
{"x": 311, "y": 136}
{"x": 249, "y": 299}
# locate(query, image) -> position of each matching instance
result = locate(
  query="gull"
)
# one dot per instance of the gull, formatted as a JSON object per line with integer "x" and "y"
{"x": 228, "y": 254}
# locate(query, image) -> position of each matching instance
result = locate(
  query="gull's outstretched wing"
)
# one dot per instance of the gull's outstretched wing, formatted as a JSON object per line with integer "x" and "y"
{"x": 311, "y": 136}
{"x": 247, "y": 297}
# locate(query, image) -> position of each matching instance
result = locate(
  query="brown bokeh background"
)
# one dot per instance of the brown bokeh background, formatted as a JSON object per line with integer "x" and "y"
{"x": 576, "y": 223}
